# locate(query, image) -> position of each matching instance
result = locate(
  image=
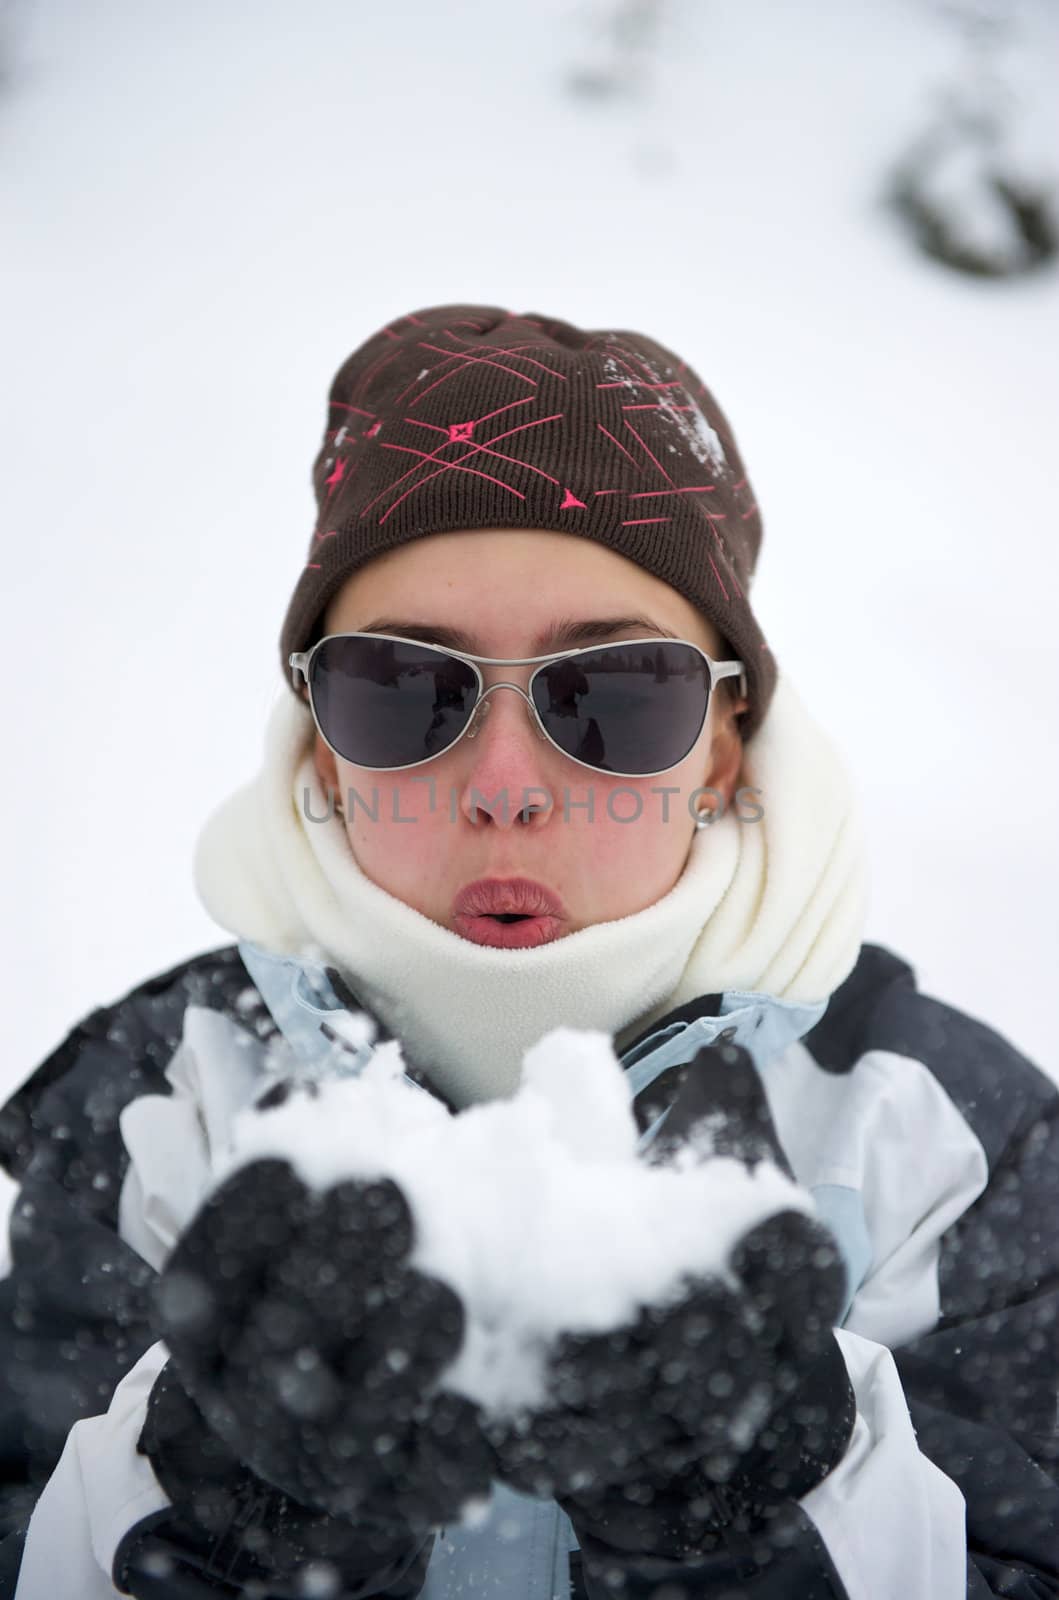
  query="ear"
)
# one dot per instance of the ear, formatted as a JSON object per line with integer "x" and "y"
{"x": 726, "y": 747}
{"x": 326, "y": 766}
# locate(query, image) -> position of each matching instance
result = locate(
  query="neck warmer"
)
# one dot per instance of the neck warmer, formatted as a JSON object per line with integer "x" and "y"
{"x": 775, "y": 905}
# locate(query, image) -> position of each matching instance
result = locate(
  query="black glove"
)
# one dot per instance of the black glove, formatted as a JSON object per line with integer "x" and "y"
{"x": 228, "y": 1532}
{"x": 726, "y": 1404}
{"x": 311, "y": 1348}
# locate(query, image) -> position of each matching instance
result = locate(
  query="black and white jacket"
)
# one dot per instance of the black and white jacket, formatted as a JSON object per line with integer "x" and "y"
{"x": 930, "y": 1145}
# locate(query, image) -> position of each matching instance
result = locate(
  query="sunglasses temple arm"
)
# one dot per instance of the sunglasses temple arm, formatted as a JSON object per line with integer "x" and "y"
{"x": 720, "y": 670}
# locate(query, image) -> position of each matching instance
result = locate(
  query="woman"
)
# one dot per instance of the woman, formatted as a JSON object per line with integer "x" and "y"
{"x": 533, "y": 764}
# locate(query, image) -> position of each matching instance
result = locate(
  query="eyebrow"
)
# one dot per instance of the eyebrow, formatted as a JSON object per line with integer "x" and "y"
{"x": 564, "y": 632}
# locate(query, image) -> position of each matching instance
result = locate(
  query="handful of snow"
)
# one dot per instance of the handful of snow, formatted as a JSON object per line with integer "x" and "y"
{"x": 537, "y": 1210}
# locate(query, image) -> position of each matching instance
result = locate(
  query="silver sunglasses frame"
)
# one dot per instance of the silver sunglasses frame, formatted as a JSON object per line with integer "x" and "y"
{"x": 299, "y": 662}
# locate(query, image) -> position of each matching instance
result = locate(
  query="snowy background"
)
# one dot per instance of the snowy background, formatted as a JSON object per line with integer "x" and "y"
{"x": 208, "y": 205}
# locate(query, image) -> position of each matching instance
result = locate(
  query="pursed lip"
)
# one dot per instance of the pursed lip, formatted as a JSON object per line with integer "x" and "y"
{"x": 491, "y": 897}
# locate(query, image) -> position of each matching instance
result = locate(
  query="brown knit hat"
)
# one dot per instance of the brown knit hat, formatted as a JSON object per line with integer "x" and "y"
{"x": 459, "y": 417}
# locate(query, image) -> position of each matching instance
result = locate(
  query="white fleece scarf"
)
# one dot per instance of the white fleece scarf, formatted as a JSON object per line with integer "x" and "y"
{"x": 777, "y": 905}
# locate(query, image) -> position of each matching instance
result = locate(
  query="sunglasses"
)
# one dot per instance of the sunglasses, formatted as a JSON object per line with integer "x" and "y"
{"x": 634, "y": 708}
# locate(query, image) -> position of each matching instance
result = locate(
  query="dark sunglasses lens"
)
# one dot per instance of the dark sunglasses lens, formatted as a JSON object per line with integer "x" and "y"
{"x": 384, "y": 704}
{"x": 630, "y": 708}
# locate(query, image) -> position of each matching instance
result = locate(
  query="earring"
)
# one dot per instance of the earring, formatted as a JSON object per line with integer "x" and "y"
{"x": 704, "y": 817}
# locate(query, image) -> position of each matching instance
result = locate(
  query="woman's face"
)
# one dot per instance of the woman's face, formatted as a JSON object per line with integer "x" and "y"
{"x": 506, "y": 592}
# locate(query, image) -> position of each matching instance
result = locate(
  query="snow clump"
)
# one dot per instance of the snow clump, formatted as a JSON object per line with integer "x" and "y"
{"x": 537, "y": 1210}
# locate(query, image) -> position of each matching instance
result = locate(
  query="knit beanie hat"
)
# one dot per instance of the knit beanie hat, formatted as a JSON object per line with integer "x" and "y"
{"x": 458, "y": 417}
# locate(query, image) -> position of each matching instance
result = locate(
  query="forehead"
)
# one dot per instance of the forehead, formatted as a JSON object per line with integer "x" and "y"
{"x": 496, "y": 584}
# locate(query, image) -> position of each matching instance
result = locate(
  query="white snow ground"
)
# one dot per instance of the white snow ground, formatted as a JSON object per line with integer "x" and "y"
{"x": 207, "y": 206}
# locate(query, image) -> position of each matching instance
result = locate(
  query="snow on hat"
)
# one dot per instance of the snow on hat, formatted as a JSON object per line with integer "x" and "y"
{"x": 466, "y": 416}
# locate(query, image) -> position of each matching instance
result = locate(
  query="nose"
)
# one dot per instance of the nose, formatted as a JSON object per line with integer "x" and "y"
{"x": 481, "y": 711}
{"x": 507, "y": 781}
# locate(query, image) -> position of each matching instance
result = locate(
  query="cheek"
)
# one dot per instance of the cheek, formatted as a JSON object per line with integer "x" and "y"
{"x": 394, "y": 824}
{"x": 635, "y": 832}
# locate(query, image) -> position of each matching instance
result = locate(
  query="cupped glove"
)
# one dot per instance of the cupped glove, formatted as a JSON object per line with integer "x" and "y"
{"x": 229, "y": 1532}
{"x": 730, "y": 1399}
{"x": 311, "y": 1348}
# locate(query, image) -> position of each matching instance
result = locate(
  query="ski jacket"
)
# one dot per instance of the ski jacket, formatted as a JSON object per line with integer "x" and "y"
{"x": 930, "y": 1146}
